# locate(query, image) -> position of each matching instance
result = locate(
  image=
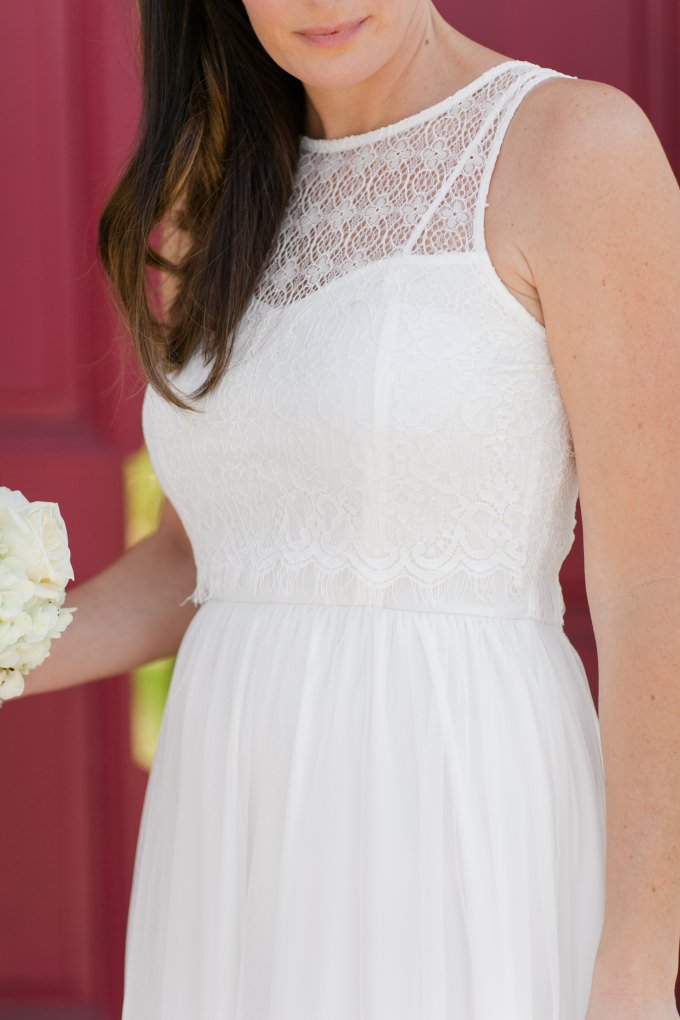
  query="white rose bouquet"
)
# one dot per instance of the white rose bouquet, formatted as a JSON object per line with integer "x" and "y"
{"x": 35, "y": 566}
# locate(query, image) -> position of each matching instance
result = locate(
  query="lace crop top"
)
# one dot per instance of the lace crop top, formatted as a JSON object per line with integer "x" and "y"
{"x": 389, "y": 431}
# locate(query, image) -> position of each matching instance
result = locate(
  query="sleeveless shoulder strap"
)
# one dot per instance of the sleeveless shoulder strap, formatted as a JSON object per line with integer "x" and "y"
{"x": 486, "y": 140}
{"x": 505, "y": 113}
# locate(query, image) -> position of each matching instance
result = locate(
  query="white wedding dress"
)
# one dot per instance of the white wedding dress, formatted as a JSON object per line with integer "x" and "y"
{"x": 378, "y": 791}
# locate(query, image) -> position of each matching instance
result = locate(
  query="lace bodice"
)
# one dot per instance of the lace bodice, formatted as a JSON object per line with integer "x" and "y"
{"x": 389, "y": 431}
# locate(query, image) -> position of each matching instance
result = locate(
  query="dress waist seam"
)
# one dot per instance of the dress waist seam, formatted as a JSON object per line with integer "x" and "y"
{"x": 385, "y": 609}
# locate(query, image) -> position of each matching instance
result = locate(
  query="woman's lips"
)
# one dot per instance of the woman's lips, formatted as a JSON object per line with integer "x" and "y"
{"x": 331, "y": 35}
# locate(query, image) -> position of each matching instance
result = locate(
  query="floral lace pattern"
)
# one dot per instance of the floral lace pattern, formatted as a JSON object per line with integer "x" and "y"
{"x": 389, "y": 431}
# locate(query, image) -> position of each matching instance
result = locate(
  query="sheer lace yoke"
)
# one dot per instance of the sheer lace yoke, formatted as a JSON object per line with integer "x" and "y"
{"x": 417, "y": 186}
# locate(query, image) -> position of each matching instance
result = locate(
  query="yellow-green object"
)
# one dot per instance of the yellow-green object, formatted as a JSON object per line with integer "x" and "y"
{"x": 151, "y": 682}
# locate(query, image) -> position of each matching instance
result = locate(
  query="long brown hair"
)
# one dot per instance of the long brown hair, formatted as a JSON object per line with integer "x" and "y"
{"x": 215, "y": 151}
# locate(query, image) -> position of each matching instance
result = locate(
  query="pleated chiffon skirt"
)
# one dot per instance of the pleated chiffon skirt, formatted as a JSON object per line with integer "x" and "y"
{"x": 369, "y": 814}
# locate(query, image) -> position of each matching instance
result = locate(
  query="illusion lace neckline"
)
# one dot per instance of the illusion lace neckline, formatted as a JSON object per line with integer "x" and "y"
{"x": 309, "y": 144}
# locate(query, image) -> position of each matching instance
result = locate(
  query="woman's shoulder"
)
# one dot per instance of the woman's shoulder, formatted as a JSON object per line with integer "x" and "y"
{"x": 572, "y": 142}
{"x": 565, "y": 110}
{"x": 578, "y": 152}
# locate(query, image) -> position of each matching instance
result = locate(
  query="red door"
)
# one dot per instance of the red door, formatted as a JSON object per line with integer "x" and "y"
{"x": 70, "y": 794}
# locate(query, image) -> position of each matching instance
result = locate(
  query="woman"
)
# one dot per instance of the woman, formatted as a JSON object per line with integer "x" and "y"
{"x": 416, "y": 295}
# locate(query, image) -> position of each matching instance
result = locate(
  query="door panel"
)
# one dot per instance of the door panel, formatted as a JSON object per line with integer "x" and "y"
{"x": 71, "y": 795}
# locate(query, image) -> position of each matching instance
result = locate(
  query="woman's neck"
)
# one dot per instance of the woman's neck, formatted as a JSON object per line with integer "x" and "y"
{"x": 433, "y": 62}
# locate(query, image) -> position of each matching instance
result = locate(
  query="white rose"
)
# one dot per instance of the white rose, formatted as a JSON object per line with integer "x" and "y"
{"x": 62, "y": 621}
{"x": 11, "y": 684}
{"x": 35, "y": 566}
{"x": 47, "y": 620}
{"x": 21, "y": 543}
{"x": 49, "y": 524}
{"x": 11, "y": 604}
{"x": 11, "y": 631}
{"x": 35, "y": 533}
{"x": 44, "y": 616}
{"x": 13, "y": 498}
{"x": 14, "y": 584}
{"x": 29, "y": 656}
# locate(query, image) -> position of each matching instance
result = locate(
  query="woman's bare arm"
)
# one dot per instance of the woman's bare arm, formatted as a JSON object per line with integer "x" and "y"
{"x": 605, "y": 251}
{"x": 128, "y": 614}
